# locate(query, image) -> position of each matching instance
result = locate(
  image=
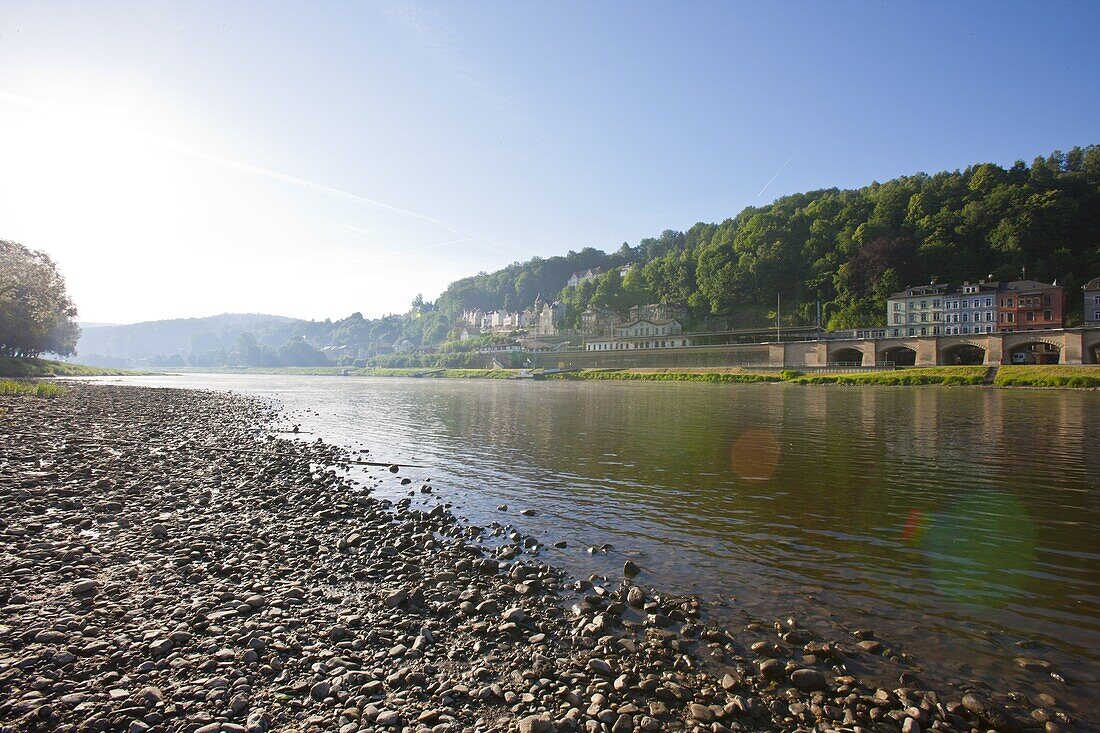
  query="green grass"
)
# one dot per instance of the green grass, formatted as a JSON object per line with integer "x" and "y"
{"x": 1051, "y": 375}
{"x": 13, "y": 388}
{"x": 23, "y": 368}
{"x": 656, "y": 376}
{"x": 947, "y": 376}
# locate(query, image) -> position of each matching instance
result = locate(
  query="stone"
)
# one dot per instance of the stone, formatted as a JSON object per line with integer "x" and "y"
{"x": 772, "y": 669}
{"x": 388, "y": 718}
{"x": 535, "y": 724}
{"x": 808, "y": 680}
{"x": 319, "y": 691}
{"x": 630, "y": 569}
{"x": 84, "y": 586}
{"x": 600, "y": 666}
{"x": 702, "y": 713}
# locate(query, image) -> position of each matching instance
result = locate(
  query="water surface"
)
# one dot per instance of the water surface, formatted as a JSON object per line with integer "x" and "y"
{"x": 958, "y": 524}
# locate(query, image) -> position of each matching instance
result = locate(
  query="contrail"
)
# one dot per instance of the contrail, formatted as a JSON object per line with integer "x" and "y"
{"x": 391, "y": 252}
{"x": 785, "y": 164}
{"x": 183, "y": 149}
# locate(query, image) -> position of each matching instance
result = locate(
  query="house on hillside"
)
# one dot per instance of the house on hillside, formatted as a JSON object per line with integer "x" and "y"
{"x": 659, "y": 312}
{"x": 547, "y": 316}
{"x": 583, "y": 276}
{"x": 599, "y": 322}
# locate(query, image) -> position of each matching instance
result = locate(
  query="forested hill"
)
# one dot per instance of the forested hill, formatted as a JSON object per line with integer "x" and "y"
{"x": 846, "y": 249}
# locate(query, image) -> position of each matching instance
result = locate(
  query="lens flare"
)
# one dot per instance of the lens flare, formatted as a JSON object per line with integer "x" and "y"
{"x": 755, "y": 454}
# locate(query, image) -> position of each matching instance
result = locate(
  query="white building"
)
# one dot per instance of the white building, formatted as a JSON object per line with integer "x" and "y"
{"x": 642, "y": 334}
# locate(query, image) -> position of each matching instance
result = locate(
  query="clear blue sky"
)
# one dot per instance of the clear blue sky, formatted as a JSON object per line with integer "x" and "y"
{"x": 166, "y": 153}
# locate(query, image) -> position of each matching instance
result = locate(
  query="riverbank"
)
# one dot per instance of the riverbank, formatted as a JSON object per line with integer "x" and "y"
{"x": 164, "y": 566}
{"x": 29, "y": 368}
{"x": 1053, "y": 375}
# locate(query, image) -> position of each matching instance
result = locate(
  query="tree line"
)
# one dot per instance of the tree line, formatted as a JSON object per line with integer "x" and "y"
{"x": 841, "y": 250}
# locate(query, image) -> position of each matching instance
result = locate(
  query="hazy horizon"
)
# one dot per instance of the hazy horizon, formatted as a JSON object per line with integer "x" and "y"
{"x": 184, "y": 160}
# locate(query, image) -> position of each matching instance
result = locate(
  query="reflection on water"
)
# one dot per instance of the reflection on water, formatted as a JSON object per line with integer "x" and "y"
{"x": 957, "y": 523}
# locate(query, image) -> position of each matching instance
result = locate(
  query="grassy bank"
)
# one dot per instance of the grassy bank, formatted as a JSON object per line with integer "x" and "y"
{"x": 1054, "y": 375}
{"x": 659, "y": 375}
{"x": 23, "y": 368}
{"x": 13, "y": 388}
{"x": 947, "y": 376}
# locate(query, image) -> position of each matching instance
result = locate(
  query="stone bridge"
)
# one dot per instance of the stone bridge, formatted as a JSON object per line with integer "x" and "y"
{"x": 1068, "y": 346}
{"x": 1063, "y": 346}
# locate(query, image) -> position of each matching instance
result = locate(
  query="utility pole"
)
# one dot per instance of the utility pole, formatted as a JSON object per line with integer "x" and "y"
{"x": 777, "y": 336}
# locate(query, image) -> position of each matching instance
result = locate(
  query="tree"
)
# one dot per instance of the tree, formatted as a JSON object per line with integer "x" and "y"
{"x": 36, "y": 314}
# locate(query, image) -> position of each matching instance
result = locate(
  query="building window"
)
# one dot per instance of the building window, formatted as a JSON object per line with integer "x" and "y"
{"x": 1048, "y": 316}
{"x": 988, "y": 302}
{"x": 935, "y": 304}
{"x": 897, "y": 306}
{"x": 1010, "y": 317}
{"x": 1030, "y": 316}
{"x": 912, "y": 332}
{"x": 924, "y": 332}
{"x": 923, "y": 317}
{"x": 1046, "y": 300}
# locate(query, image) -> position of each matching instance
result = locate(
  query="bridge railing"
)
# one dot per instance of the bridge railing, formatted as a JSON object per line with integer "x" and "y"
{"x": 846, "y": 366}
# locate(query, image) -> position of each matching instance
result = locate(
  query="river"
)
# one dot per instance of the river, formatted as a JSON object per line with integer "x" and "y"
{"x": 958, "y": 524}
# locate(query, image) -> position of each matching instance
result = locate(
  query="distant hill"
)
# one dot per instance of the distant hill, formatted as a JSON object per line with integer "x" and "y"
{"x": 141, "y": 342}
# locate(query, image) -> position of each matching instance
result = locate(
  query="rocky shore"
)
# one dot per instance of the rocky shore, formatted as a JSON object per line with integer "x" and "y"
{"x": 167, "y": 565}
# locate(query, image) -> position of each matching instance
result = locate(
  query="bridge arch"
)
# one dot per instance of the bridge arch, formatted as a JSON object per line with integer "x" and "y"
{"x": 899, "y": 354}
{"x": 1090, "y": 352}
{"x": 1032, "y": 351}
{"x": 846, "y": 354}
{"x": 963, "y": 352}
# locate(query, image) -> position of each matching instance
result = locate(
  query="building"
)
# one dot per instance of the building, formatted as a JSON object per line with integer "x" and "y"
{"x": 642, "y": 334}
{"x": 599, "y": 322}
{"x": 917, "y": 311}
{"x": 584, "y": 276}
{"x": 970, "y": 308}
{"x": 547, "y": 316}
{"x": 659, "y": 312}
{"x": 1028, "y": 305}
{"x": 1092, "y": 302}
